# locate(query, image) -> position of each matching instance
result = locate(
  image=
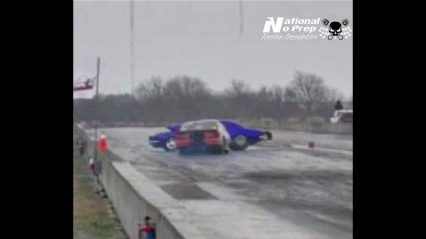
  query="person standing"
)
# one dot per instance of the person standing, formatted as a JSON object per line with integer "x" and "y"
{"x": 81, "y": 146}
{"x": 93, "y": 173}
{"x": 338, "y": 105}
{"x": 146, "y": 230}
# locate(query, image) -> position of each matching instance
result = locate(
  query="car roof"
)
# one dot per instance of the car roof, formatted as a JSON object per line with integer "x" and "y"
{"x": 228, "y": 120}
{"x": 200, "y": 124}
{"x": 202, "y": 121}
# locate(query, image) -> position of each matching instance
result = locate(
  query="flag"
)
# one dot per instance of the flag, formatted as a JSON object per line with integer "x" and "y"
{"x": 86, "y": 78}
{"x": 86, "y": 84}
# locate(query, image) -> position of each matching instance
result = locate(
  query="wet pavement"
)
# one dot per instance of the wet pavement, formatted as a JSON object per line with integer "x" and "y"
{"x": 291, "y": 192}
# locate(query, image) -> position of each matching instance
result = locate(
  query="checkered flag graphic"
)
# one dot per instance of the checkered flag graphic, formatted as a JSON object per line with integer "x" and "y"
{"x": 346, "y": 32}
{"x": 323, "y": 32}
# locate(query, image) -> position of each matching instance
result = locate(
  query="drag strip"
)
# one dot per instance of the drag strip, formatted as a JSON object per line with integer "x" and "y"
{"x": 309, "y": 192}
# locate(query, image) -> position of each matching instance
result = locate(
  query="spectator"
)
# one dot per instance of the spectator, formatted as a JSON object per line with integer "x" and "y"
{"x": 338, "y": 105}
{"x": 93, "y": 173}
{"x": 78, "y": 143}
{"x": 81, "y": 145}
{"x": 146, "y": 230}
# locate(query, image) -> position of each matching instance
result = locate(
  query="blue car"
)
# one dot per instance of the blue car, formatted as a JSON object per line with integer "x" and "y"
{"x": 241, "y": 137}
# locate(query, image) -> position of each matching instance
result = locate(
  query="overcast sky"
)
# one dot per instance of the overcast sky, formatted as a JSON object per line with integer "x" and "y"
{"x": 201, "y": 39}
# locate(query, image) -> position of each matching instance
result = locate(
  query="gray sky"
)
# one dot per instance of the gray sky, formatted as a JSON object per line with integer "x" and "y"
{"x": 201, "y": 39}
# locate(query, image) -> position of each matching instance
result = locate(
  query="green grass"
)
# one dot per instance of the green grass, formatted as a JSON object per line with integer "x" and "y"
{"x": 91, "y": 217}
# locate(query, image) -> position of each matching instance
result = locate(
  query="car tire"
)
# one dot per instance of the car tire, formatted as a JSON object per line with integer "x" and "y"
{"x": 169, "y": 145}
{"x": 239, "y": 143}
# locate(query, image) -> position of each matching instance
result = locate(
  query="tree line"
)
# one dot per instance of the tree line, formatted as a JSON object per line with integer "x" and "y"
{"x": 184, "y": 98}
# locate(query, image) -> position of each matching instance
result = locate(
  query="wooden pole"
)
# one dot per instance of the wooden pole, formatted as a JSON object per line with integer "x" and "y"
{"x": 132, "y": 51}
{"x": 241, "y": 18}
{"x": 97, "y": 107}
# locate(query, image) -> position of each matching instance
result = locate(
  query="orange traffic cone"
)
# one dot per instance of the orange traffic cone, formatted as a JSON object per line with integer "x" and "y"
{"x": 102, "y": 143}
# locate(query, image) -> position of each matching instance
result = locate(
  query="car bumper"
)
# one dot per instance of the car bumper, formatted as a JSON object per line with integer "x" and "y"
{"x": 156, "y": 143}
{"x": 199, "y": 146}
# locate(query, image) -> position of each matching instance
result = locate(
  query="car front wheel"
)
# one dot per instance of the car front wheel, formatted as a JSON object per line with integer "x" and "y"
{"x": 268, "y": 135}
{"x": 169, "y": 145}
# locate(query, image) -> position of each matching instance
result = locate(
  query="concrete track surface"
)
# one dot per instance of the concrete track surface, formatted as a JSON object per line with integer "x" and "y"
{"x": 277, "y": 189}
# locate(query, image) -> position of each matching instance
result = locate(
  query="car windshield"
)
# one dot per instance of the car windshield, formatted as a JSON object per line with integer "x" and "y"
{"x": 199, "y": 125}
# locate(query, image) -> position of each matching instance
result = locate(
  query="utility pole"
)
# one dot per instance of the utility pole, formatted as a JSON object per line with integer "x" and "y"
{"x": 241, "y": 18}
{"x": 132, "y": 51}
{"x": 97, "y": 107}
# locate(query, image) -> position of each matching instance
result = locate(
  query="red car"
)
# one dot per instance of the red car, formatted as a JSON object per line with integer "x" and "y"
{"x": 202, "y": 135}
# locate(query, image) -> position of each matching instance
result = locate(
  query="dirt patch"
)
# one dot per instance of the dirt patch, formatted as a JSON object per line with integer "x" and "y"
{"x": 186, "y": 191}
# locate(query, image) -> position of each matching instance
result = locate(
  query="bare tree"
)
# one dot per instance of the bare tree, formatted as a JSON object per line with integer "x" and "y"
{"x": 290, "y": 95}
{"x": 277, "y": 102}
{"x": 185, "y": 98}
{"x": 308, "y": 90}
{"x": 237, "y": 99}
{"x": 334, "y": 95}
{"x": 238, "y": 88}
{"x": 151, "y": 90}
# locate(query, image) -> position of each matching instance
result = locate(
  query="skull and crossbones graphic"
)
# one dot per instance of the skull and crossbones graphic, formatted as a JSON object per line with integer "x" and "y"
{"x": 336, "y": 29}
